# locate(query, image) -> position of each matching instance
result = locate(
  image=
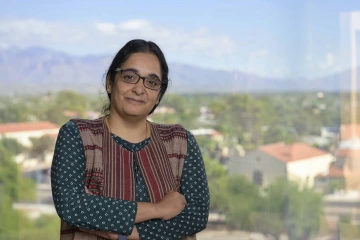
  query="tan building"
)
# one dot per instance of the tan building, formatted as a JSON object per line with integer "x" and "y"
{"x": 299, "y": 162}
{"x": 23, "y": 131}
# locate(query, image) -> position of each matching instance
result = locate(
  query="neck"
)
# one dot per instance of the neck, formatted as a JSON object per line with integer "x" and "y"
{"x": 133, "y": 130}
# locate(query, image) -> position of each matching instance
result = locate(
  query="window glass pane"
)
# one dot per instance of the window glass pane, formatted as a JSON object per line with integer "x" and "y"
{"x": 269, "y": 89}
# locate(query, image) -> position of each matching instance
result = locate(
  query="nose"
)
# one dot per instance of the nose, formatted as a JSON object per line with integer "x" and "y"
{"x": 139, "y": 87}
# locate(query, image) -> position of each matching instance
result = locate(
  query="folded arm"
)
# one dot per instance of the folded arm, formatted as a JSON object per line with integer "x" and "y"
{"x": 194, "y": 217}
{"x": 81, "y": 209}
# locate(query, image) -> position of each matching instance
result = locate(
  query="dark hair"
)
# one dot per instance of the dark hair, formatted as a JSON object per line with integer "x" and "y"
{"x": 137, "y": 46}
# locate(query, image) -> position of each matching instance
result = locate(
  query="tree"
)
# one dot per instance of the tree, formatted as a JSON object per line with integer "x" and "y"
{"x": 9, "y": 179}
{"x": 9, "y": 175}
{"x": 65, "y": 100}
{"x": 300, "y": 208}
{"x": 13, "y": 188}
{"x": 13, "y": 110}
{"x": 12, "y": 145}
{"x": 244, "y": 199}
{"x": 217, "y": 180}
{"x": 39, "y": 146}
{"x": 268, "y": 223}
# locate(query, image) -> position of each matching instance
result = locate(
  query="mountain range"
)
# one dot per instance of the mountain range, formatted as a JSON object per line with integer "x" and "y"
{"x": 39, "y": 70}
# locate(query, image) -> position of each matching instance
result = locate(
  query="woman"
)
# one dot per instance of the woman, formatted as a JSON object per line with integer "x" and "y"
{"x": 123, "y": 177}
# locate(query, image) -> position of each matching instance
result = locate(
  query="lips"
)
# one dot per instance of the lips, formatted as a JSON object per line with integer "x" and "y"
{"x": 134, "y": 100}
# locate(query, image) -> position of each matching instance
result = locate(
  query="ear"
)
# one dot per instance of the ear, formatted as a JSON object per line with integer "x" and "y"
{"x": 108, "y": 84}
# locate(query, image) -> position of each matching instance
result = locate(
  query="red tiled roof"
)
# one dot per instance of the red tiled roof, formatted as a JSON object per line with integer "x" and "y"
{"x": 348, "y": 131}
{"x": 333, "y": 172}
{"x": 292, "y": 152}
{"x": 27, "y": 126}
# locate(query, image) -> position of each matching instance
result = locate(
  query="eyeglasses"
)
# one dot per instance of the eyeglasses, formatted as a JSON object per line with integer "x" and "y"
{"x": 129, "y": 76}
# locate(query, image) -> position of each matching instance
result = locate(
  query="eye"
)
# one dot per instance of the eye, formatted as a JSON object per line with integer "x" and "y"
{"x": 129, "y": 76}
{"x": 153, "y": 82}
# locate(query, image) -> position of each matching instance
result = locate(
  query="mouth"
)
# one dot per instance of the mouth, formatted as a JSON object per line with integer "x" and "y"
{"x": 132, "y": 100}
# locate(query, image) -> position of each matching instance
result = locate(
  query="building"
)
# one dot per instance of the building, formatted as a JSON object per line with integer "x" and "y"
{"x": 209, "y": 133}
{"x": 331, "y": 181}
{"x": 299, "y": 162}
{"x": 330, "y": 132}
{"x": 24, "y": 131}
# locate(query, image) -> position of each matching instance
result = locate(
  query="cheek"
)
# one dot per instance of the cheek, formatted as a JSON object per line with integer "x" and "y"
{"x": 155, "y": 98}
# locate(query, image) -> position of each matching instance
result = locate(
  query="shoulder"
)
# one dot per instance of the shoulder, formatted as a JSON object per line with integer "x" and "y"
{"x": 168, "y": 127}
{"x": 190, "y": 137}
{"x": 69, "y": 127}
{"x": 68, "y": 131}
{"x": 85, "y": 125}
{"x": 172, "y": 128}
{"x": 87, "y": 122}
{"x": 166, "y": 130}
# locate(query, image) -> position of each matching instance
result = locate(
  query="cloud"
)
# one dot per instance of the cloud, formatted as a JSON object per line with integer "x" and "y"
{"x": 262, "y": 53}
{"x": 135, "y": 25}
{"x": 108, "y": 28}
{"x": 108, "y": 37}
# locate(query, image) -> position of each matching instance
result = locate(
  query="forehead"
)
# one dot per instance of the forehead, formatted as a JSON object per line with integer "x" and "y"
{"x": 143, "y": 62}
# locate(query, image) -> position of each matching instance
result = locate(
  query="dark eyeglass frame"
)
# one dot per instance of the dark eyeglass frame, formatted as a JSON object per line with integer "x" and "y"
{"x": 139, "y": 77}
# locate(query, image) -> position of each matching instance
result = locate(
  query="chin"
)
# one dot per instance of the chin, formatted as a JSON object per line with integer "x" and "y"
{"x": 136, "y": 114}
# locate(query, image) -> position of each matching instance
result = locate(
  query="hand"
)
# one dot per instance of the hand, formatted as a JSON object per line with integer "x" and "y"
{"x": 171, "y": 205}
{"x": 107, "y": 235}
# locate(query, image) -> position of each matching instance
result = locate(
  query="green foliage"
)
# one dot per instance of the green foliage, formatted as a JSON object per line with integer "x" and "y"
{"x": 12, "y": 188}
{"x": 12, "y": 145}
{"x": 299, "y": 208}
{"x": 9, "y": 175}
{"x": 268, "y": 223}
{"x": 283, "y": 207}
{"x": 41, "y": 145}
{"x": 27, "y": 191}
{"x": 45, "y": 225}
{"x": 19, "y": 227}
{"x": 217, "y": 179}
{"x": 251, "y": 120}
{"x": 243, "y": 199}
{"x": 13, "y": 110}
{"x": 187, "y": 111}
{"x": 9, "y": 218}
{"x": 335, "y": 185}
{"x": 64, "y": 101}
{"x": 349, "y": 231}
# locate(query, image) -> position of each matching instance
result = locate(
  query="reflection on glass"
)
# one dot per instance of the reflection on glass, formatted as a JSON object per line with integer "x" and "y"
{"x": 272, "y": 100}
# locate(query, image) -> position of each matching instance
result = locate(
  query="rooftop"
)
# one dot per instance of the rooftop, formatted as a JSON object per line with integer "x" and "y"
{"x": 292, "y": 152}
{"x": 27, "y": 126}
{"x": 333, "y": 172}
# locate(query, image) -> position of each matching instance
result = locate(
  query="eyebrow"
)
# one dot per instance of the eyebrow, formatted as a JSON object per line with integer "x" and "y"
{"x": 137, "y": 71}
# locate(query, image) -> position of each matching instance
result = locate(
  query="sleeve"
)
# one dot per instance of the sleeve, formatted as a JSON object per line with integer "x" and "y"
{"x": 194, "y": 217}
{"x": 72, "y": 203}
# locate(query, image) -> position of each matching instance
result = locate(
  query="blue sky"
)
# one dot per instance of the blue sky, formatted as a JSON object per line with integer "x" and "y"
{"x": 279, "y": 38}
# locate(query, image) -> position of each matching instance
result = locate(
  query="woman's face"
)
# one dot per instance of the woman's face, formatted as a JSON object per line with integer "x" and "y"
{"x": 135, "y": 99}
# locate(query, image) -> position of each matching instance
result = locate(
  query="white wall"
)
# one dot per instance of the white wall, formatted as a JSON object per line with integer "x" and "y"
{"x": 270, "y": 167}
{"x": 24, "y": 137}
{"x": 306, "y": 170}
